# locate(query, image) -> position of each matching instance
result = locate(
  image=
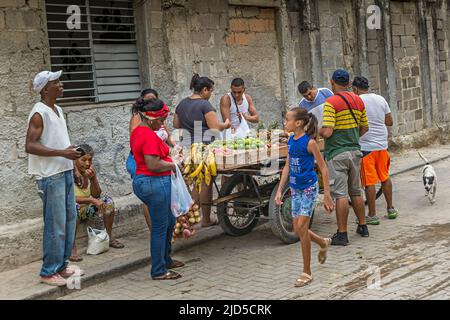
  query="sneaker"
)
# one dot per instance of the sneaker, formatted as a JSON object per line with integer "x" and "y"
{"x": 54, "y": 280}
{"x": 363, "y": 230}
{"x": 374, "y": 221}
{"x": 339, "y": 239}
{"x": 392, "y": 213}
{"x": 70, "y": 271}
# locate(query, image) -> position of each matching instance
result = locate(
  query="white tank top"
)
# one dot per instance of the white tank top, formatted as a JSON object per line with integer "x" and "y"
{"x": 54, "y": 136}
{"x": 243, "y": 108}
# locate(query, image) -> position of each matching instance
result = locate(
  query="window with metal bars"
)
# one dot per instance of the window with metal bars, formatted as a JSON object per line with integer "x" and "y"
{"x": 99, "y": 60}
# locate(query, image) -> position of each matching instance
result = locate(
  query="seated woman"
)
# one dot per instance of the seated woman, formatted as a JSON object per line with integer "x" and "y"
{"x": 90, "y": 200}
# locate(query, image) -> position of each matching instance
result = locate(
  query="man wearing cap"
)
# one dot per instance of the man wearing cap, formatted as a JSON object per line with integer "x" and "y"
{"x": 51, "y": 161}
{"x": 344, "y": 122}
{"x": 376, "y": 160}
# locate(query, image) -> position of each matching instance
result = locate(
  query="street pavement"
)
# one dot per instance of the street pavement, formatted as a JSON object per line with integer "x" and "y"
{"x": 406, "y": 258}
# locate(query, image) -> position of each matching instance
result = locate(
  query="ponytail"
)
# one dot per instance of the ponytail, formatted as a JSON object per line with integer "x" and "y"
{"x": 137, "y": 105}
{"x": 198, "y": 83}
{"x": 309, "y": 121}
{"x": 312, "y": 126}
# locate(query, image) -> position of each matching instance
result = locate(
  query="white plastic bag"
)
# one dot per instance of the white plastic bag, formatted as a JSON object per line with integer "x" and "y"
{"x": 241, "y": 132}
{"x": 180, "y": 199}
{"x": 98, "y": 241}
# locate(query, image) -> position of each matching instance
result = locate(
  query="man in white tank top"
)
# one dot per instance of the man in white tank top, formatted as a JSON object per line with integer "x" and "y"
{"x": 237, "y": 105}
{"x": 50, "y": 161}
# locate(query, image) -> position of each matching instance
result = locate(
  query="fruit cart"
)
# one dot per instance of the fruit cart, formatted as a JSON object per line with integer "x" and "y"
{"x": 242, "y": 201}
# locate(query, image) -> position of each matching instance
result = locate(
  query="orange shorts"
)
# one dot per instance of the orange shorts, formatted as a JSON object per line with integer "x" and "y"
{"x": 375, "y": 167}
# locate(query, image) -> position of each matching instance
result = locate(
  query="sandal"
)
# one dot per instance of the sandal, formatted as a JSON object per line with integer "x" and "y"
{"x": 116, "y": 244}
{"x": 175, "y": 264}
{"x": 75, "y": 258}
{"x": 170, "y": 275}
{"x": 303, "y": 280}
{"x": 322, "y": 256}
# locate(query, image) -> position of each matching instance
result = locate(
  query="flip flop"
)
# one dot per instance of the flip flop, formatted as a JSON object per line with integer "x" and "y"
{"x": 169, "y": 275}
{"x": 175, "y": 264}
{"x": 116, "y": 244}
{"x": 303, "y": 280}
{"x": 75, "y": 258}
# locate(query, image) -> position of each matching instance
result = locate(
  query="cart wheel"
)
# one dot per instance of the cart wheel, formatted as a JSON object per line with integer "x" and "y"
{"x": 234, "y": 219}
{"x": 281, "y": 216}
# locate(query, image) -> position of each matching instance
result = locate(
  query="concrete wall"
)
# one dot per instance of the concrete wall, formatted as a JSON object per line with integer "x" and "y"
{"x": 272, "y": 44}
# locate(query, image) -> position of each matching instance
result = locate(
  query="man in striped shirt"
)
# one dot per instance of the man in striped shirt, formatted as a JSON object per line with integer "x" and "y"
{"x": 344, "y": 122}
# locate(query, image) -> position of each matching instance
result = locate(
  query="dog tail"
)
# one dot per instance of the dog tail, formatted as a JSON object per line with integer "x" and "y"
{"x": 423, "y": 158}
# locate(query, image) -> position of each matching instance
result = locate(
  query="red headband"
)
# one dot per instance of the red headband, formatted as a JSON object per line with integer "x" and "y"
{"x": 158, "y": 114}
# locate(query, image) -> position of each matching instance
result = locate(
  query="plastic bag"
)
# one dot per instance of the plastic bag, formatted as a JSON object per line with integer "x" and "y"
{"x": 180, "y": 199}
{"x": 98, "y": 241}
{"x": 241, "y": 132}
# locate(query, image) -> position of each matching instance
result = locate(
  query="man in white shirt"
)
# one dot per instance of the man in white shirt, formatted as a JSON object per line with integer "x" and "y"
{"x": 374, "y": 144}
{"x": 50, "y": 160}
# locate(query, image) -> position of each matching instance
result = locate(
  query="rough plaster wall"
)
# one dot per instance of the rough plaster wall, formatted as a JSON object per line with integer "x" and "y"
{"x": 443, "y": 45}
{"x": 23, "y": 50}
{"x": 407, "y": 61}
{"x": 338, "y": 36}
{"x": 252, "y": 53}
{"x": 375, "y": 55}
{"x": 299, "y": 35}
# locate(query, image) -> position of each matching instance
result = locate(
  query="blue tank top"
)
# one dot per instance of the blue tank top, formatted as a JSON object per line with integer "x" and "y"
{"x": 301, "y": 166}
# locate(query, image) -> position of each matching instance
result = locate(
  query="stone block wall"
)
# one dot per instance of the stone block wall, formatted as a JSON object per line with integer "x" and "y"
{"x": 406, "y": 48}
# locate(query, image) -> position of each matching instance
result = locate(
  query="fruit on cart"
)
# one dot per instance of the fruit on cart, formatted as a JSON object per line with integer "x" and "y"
{"x": 200, "y": 166}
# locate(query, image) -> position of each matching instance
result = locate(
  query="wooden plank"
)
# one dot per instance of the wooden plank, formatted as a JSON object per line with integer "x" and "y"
{"x": 117, "y": 80}
{"x": 118, "y": 96}
{"x": 116, "y": 65}
{"x": 119, "y": 88}
{"x": 117, "y": 48}
{"x": 256, "y": 3}
{"x": 115, "y": 56}
{"x": 117, "y": 73}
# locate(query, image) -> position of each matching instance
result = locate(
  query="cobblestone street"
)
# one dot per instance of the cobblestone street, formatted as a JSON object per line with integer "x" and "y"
{"x": 411, "y": 252}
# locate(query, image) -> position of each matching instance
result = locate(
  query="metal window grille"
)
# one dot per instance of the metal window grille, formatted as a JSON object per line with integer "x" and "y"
{"x": 99, "y": 60}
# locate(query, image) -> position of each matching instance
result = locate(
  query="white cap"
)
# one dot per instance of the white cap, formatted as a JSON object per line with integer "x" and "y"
{"x": 42, "y": 78}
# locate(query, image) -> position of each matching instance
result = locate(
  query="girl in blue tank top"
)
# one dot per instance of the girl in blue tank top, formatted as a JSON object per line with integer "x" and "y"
{"x": 303, "y": 150}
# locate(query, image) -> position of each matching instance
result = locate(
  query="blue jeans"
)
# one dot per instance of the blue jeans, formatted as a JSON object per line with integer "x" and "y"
{"x": 155, "y": 193}
{"x": 60, "y": 216}
{"x": 131, "y": 165}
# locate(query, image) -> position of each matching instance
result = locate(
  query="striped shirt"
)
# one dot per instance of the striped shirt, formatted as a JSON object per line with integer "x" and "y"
{"x": 337, "y": 116}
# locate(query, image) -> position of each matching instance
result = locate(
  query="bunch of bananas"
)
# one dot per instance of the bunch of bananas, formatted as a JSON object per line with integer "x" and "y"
{"x": 200, "y": 165}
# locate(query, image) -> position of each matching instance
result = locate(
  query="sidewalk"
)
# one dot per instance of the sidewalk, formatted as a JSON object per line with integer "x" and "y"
{"x": 23, "y": 282}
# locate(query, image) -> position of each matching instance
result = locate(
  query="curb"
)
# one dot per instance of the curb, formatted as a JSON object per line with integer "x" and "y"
{"x": 142, "y": 259}
{"x": 419, "y": 165}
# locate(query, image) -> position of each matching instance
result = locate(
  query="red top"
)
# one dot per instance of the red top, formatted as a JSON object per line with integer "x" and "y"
{"x": 144, "y": 141}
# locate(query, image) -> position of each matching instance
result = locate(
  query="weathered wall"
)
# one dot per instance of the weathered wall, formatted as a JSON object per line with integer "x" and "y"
{"x": 273, "y": 46}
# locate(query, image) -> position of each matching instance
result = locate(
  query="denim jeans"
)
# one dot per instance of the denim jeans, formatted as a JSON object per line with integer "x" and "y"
{"x": 131, "y": 165}
{"x": 155, "y": 193}
{"x": 60, "y": 215}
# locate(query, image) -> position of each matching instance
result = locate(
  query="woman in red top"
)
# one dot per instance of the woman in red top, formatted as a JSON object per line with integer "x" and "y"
{"x": 152, "y": 185}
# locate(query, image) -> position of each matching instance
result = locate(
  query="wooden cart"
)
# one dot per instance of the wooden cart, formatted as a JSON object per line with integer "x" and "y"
{"x": 242, "y": 201}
